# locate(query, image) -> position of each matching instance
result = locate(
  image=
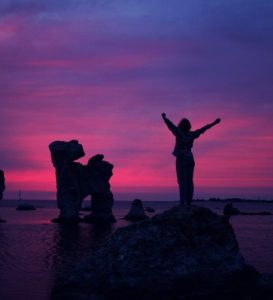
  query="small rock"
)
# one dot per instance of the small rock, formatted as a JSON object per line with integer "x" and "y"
{"x": 136, "y": 212}
{"x": 25, "y": 206}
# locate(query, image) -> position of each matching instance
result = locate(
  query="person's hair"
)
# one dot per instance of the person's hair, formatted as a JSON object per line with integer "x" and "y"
{"x": 184, "y": 125}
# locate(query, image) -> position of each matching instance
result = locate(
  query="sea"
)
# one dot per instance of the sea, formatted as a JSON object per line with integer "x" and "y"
{"x": 36, "y": 254}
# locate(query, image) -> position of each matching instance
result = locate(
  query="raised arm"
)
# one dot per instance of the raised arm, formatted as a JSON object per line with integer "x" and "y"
{"x": 169, "y": 124}
{"x": 205, "y": 128}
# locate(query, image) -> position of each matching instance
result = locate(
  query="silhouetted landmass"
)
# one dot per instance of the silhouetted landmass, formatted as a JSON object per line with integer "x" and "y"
{"x": 230, "y": 210}
{"x": 76, "y": 181}
{"x": 234, "y": 200}
{"x": 184, "y": 253}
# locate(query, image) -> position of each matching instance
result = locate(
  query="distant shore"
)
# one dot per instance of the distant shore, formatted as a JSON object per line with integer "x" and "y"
{"x": 53, "y": 203}
{"x": 233, "y": 200}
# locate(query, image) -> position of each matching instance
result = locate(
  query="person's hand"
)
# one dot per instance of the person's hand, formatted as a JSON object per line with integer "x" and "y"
{"x": 217, "y": 121}
{"x": 163, "y": 115}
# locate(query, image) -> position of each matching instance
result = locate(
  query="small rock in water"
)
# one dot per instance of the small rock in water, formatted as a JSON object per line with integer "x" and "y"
{"x": 136, "y": 212}
{"x": 25, "y": 206}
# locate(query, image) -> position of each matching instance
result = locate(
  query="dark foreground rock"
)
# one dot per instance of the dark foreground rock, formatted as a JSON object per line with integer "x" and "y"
{"x": 264, "y": 290}
{"x": 184, "y": 253}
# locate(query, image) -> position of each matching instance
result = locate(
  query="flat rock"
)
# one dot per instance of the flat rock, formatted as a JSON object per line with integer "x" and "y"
{"x": 25, "y": 206}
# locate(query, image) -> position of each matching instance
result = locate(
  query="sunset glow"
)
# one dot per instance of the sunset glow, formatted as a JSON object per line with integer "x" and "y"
{"x": 103, "y": 73}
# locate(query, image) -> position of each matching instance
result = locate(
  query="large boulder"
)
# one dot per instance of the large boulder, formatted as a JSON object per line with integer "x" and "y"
{"x": 76, "y": 181}
{"x": 184, "y": 253}
{"x": 2, "y": 184}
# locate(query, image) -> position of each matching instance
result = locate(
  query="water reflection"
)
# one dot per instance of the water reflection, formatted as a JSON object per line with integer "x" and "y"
{"x": 73, "y": 242}
{"x": 3, "y": 247}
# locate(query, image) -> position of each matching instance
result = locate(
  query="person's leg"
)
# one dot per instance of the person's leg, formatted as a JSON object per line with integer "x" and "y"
{"x": 184, "y": 171}
{"x": 188, "y": 180}
{"x": 190, "y": 185}
{"x": 180, "y": 178}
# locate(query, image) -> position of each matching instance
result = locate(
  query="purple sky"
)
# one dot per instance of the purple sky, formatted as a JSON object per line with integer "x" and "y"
{"x": 103, "y": 71}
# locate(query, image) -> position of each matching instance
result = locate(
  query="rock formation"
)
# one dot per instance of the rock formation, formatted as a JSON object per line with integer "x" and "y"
{"x": 2, "y": 188}
{"x": 2, "y": 184}
{"x": 184, "y": 253}
{"x": 100, "y": 172}
{"x": 76, "y": 181}
{"x": 136, "y": 212}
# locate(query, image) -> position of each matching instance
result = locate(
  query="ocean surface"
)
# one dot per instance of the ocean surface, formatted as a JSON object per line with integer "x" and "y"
{"x": 36, "y": 254}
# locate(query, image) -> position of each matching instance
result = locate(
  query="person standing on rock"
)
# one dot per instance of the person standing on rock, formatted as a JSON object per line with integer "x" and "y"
{"x": 184, "y": 158}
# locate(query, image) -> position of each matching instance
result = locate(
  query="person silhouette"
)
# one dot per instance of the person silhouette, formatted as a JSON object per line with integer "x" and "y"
{"x": 184, "y": 158}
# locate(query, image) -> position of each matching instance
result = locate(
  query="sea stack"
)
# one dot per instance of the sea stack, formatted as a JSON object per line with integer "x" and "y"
{"x": 2, "y": 188}
{"x": 184, "y": 253}
{"x": 136, "y": 212}
{"x": 76, "y": 181}
{"x": 2, "y": 183}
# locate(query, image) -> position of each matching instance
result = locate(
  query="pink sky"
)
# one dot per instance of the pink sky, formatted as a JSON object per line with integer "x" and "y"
{"x": 103, "y": 73}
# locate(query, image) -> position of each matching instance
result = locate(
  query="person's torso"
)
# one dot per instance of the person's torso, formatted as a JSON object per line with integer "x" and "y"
{"x": 183, "y": 144}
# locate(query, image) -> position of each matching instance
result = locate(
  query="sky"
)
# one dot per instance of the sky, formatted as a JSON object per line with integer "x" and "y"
{"x": 102, "y": 72}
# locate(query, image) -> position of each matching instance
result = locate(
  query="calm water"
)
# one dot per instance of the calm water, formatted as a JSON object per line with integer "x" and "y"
{"x": 36, "y": 254}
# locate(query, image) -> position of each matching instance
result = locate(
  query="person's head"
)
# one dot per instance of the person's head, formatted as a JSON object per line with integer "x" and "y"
{"x": 184, "y": 125}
